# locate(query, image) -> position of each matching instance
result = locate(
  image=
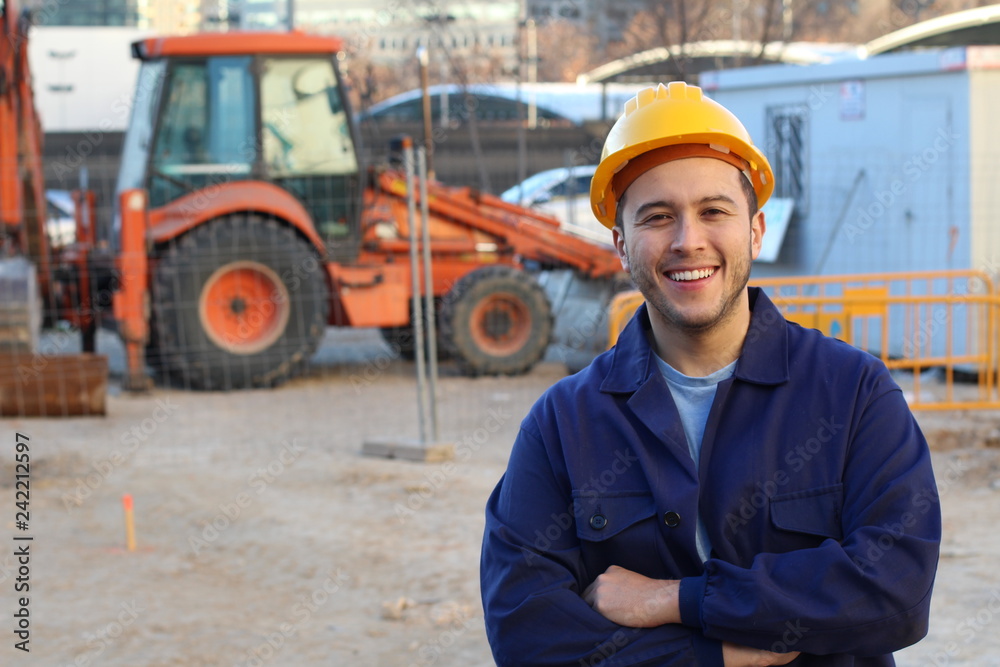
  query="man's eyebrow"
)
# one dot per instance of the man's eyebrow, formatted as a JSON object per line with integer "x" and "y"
{"x": 661, "y": 203}
{"x": 717, "y": 198}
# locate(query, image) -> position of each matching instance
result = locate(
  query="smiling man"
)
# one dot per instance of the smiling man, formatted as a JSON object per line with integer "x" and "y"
{"x": 688, "y": 249}
{"x": 723, "y": 487}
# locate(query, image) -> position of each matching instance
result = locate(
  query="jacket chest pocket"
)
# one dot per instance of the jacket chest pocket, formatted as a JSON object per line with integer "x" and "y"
{"x": 808, "y": 517}
{"x": 615, "y": 529}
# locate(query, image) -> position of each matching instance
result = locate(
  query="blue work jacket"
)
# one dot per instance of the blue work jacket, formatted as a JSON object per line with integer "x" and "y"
{"x": 814, "y": 482}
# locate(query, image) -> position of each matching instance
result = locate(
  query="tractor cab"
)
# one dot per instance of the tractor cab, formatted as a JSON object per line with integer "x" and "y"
{"x": 239, "y": 225}
{"x": 267, "y": 107}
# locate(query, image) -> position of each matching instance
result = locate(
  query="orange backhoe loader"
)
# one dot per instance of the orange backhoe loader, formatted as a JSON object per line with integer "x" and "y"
{"x": 246, "y": 224}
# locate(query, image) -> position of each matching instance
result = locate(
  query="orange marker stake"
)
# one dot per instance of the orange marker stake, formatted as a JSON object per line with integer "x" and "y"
{"x": 129, "y": 522}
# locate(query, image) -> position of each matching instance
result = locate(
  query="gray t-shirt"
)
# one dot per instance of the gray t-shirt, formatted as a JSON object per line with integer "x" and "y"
{"x": 693, "y": 397}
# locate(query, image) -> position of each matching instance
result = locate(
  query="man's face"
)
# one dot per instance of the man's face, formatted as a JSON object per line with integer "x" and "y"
{"x": 688, "y": 241}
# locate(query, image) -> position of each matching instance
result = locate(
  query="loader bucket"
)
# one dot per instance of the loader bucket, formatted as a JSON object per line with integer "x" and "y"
{"x": 580, "y": 308}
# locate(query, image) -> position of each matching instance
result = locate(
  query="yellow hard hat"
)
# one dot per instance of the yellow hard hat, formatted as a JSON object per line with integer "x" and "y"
{"x": 676, "y": 115}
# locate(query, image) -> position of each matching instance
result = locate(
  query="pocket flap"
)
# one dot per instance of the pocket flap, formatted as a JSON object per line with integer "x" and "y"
{"x": 814, "y": 512}
{"x": 599, "y": 517}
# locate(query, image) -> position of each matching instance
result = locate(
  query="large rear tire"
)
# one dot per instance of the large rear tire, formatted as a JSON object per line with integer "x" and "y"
{"x": 496, "y": 321}
{"x": 239, "y": 302}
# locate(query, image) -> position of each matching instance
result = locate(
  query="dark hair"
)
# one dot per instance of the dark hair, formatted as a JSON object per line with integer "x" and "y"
{"x": 751, "y": 195}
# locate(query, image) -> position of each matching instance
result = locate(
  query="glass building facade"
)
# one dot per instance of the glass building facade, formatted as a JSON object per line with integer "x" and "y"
{"x": 85, "y": 12}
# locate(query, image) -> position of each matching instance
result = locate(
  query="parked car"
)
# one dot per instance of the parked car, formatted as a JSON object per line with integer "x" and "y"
{"x": 563, "y": 193}
{"x": 60, "y": 222}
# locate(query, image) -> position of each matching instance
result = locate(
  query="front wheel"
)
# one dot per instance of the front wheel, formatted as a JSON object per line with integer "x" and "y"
{"x": 496, "y": 320}
{"x": 238, "y": 302}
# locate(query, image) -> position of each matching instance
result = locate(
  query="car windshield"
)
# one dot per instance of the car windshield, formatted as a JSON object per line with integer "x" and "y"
{"x": 531, "y": 186}
{"x": 552, "y": 182}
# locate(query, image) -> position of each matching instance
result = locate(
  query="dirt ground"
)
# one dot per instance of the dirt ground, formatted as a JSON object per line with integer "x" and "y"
{"x": 265, "y": 537}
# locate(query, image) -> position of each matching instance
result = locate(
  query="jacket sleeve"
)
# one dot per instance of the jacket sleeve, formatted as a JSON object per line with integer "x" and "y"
{"x": 532, "y": 579}
{"x": 866, "y": 594}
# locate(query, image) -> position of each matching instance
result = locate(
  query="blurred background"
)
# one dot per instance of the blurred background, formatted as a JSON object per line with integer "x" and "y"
{"x": 312, "y": 519}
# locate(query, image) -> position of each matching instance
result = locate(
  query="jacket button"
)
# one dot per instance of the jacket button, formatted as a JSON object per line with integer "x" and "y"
{"x": 598, "y": 521}
{"x": 672, "y": 519}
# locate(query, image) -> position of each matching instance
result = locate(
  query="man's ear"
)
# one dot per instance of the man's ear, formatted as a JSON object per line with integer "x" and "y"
{"x": 757, "y": 227}
{"x": 619, "y": 238}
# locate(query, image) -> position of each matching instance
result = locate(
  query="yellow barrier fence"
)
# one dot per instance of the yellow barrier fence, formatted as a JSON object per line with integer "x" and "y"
{"x": 931, "y": 328}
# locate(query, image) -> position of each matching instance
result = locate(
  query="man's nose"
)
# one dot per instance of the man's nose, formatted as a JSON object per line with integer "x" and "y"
{"x": 689, "y": 235}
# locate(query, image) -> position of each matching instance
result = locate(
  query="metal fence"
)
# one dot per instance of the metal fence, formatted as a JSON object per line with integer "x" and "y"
{"x": 943, "y": 322}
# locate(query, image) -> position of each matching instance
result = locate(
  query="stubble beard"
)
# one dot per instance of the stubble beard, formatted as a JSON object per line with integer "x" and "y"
{"x": 737, "y": 276}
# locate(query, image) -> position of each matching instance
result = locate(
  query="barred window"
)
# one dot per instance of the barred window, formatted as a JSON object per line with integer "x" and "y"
{"x": 786, "y": 150}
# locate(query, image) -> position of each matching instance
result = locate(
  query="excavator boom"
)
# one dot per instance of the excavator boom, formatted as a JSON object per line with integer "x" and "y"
{"x": 515, "y": 230}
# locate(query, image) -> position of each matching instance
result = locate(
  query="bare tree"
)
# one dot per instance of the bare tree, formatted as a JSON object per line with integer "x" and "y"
{"x": 840, "y": 21}
{"x": 566, "y": 49}
{"x": 676, "y": 23}
{"x": 372, "y": 81}
{"x": 767, "y": 25}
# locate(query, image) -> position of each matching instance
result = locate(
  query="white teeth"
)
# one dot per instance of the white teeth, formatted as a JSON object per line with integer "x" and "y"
{"x": 691, "y": 275}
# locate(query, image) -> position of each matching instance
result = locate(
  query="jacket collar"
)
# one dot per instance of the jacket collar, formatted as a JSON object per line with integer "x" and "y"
{"x": 763, "y": 359}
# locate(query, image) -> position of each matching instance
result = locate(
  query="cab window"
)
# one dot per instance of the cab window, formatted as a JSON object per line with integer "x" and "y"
{"x": 305, "y": 130}
{"x": 207, "y": 133}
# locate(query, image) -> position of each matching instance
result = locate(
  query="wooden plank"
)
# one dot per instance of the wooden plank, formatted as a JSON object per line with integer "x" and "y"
{"x": 36, "y": 385}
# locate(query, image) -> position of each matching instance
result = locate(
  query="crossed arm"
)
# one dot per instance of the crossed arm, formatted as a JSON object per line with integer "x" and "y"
{"x": 633, "y": 600}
